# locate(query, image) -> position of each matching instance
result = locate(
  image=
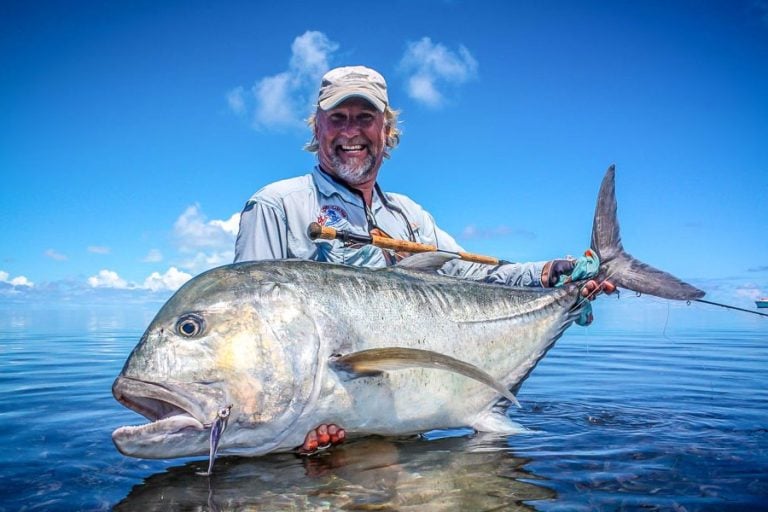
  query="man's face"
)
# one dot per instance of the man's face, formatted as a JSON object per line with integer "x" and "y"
{"x": 352, "y": 138}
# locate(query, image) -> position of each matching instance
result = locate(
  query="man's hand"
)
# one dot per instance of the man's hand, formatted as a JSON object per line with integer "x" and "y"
{"x": 592, "y": 288}
{"x": 554, "y": 269}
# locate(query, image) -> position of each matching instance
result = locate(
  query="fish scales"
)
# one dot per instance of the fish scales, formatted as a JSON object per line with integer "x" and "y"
{"x": 448, "y": 315}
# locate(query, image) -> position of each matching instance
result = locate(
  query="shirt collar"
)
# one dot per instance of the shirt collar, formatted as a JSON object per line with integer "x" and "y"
{"x": 328, "y": 186}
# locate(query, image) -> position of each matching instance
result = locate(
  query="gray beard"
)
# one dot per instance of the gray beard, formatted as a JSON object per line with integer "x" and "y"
{"x": 353, "y": 174}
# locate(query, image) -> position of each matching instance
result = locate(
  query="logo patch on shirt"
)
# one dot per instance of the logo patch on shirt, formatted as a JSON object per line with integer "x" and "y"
{"x": 331, "y": 215}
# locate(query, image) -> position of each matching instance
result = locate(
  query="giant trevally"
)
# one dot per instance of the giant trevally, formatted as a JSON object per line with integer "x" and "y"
{"x": 290, "y": 345}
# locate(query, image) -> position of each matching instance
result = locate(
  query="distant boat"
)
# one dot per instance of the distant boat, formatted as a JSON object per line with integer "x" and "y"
{"x": 762, "y": 303}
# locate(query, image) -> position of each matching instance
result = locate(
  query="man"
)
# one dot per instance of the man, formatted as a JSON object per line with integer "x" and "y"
{"x": 354, "y": 128}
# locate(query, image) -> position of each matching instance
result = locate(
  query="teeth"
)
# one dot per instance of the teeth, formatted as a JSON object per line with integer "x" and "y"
{"x": 356, "y": 147}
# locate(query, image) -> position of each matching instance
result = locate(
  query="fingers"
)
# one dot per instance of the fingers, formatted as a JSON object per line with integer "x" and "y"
{"x": 310, "y": 443}
{"x": 592, "y": 289}
{"x": 589, "y": 290}
{"x": 322, "y": 437}
{"x": 336, "y": 433}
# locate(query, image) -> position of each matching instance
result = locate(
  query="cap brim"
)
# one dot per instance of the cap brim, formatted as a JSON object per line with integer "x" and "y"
{"x": 334, "y": 100}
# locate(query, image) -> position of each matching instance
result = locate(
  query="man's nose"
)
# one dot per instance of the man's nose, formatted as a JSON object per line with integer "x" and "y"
{"x": 350, "y": 128}
{"x": 352, "y": 124}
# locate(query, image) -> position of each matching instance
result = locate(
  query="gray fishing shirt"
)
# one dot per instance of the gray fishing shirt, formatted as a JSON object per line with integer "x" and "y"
{"x": 273, "y": 225}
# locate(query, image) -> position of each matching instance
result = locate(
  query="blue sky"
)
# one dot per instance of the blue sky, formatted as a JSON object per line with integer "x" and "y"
{"x": 132, "y": 133}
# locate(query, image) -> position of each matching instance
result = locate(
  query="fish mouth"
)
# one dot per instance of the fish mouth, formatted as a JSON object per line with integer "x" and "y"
{"x": 178, "y": 419}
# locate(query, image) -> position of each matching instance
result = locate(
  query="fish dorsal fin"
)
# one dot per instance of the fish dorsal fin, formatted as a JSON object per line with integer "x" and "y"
{"x": 373, "y": 361}
{"x": 426, "y": 261}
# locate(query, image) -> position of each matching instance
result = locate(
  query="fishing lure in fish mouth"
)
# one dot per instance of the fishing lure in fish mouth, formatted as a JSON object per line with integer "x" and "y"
{"x": 217, "y": 429}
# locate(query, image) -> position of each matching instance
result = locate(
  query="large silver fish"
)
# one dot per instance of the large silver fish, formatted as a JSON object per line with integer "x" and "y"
{"x": 293, "y": 344}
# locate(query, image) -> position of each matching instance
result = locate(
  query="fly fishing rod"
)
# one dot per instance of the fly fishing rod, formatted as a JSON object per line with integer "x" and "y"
{"x": 316, "y": 231}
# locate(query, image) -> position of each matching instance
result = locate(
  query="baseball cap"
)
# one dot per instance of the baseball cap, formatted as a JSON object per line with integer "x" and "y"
{"x": 346, "y": 82}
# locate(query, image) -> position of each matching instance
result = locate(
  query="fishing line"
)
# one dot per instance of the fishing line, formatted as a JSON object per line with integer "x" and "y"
{"x": 729, "y": 307}
{"x": 666, "y": 323}
{"x": 688, "y": 302}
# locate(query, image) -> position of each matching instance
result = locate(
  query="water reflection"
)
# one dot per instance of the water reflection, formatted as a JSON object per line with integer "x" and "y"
{"x": 369, "y": 474}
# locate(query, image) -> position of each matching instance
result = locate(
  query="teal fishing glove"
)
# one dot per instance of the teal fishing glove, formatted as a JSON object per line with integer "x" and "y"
{"x": 583, "y": 268}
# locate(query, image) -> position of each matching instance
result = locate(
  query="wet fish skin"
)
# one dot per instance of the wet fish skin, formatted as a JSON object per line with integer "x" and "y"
{"x": 263, "y": 336}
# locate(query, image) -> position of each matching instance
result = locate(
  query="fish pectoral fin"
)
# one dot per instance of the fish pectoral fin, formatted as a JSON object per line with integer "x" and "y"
{"x": 497, "y": 422}
{"x": 374, "y": 361}
{"x": 426, "y": 261}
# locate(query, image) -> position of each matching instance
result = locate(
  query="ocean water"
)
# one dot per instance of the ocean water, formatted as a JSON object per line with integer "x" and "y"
{"x": 654, "y": 407}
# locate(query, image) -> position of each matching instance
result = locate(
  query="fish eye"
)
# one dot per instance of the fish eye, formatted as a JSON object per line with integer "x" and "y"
{"x": 190, "y": 325}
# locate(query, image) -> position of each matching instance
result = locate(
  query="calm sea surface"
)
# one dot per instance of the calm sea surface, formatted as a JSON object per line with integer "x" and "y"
{"x": 655, "y": 407}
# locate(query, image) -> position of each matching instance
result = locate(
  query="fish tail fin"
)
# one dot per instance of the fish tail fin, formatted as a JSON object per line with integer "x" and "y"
{"x": 617, "y": 265}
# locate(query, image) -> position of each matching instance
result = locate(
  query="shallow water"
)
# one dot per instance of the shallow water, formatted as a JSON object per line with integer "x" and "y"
{"x": 653, "y": 408}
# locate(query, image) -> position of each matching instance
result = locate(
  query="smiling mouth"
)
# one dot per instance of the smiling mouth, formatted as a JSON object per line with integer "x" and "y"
{"x": 352, "y": 147}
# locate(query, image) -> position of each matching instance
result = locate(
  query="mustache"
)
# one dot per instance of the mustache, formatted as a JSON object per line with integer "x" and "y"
{"x": 340, "y": 141}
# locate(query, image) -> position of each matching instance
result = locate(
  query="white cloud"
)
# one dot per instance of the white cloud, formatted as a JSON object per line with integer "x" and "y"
{"x": 236, "y": 100}
{"x": 171, "y": 280}
{"x": 192, "y": 231}
{"x": 16, "y": 281}
{"x": 422, "y": 88}
{"x": 750, "y": 291}
{"x": 309, "y": 54}
{"x": 55, "y": 255}
{"x": 274, "y": 102}
{"x": 231, "y": 225}
{"x": 431, "y": 67}
{"x": 99, "y": 249}
{"x": 107, "y": 279}
{"x": 202, "y": 261}
{"x": 284, "y": 99}
{"x": 207, "y": 244}
{"x": 153, "y": 256}
{"x": 21, "y": 281}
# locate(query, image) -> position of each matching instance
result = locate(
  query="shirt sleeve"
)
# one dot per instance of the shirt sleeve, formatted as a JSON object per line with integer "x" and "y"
{"x": 512, "y": 274}
{"x": 263, "y": 233}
